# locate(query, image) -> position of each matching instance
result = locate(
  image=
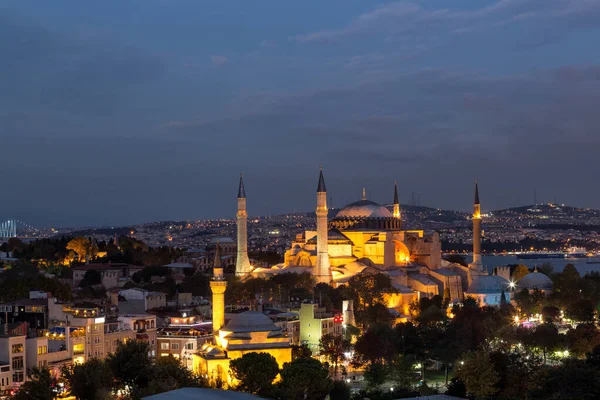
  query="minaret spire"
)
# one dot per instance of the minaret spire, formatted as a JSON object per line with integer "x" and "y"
{"x": 241, "y": 190}
{"x": 364, "y": 194}
{"x": 242, "y": 262}
{"x": 477, "y": 263}
{"x": 396, "y": 202}
{"x": 218, "y": 285}
{"x": 322, "y": 269}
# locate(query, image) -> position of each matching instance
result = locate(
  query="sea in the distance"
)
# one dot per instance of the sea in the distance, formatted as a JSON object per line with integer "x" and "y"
{"x": 583, "y": 265}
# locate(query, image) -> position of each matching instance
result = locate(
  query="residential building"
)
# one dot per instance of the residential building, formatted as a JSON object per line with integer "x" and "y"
{"x": 149, "y": 300}
{"x": 315, "y": 322}
{"x": 13, "y": 351}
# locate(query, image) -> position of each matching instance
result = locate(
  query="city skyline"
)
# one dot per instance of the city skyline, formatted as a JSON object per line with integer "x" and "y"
{"x": 109, "y": 122}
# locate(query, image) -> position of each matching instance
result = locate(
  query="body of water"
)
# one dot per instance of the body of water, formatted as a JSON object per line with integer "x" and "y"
{"x": 583, "y": 265}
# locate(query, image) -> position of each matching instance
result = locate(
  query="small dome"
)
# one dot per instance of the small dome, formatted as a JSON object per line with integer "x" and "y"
{"x": 488, "y": 284}
{"x": 535, "y": 280}
{"x": 250, "y": 321}
{"x": 364, "y": 209}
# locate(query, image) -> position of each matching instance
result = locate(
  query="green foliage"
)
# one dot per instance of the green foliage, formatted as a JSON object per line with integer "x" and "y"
{"x": 379, "y": 344}
{"x": 583, "y": 339}
{"x": 131, "y": 364}
{"x": 520, "y": 272}
{"x": 168, "y": 373}
{"x": 90, "y": 381}
{"x": 574, "y": 379}
{"x": 333, "y": 347}
{"x": 304, "y": 378}
{"x": 255, "y": 372}
{"x": 17, "y": 282}
{"x": 340, "y": 391}
{"x": 91, "y": 277}
{"x": 457, "y": 388}
{"x": 38, "y": 387}
{"x": 376, "y": 374}
{"x": 478, "y": 374}
{"x": 197, "y": 284}
{"x": 301, "y": 351}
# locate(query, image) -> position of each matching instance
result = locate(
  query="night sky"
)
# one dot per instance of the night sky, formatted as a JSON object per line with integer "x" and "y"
{"x": 128, "y": 111}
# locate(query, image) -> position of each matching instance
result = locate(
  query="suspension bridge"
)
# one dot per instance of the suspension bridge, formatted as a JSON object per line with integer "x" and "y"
{"x": 14, "y": 228}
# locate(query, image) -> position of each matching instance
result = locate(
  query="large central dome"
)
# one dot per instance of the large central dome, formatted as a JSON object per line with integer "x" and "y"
{"x": 364, "y": 209}
{"x": 365, "y": 215}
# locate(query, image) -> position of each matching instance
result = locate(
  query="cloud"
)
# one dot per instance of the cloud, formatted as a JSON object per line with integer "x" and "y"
{"x": 405, "y": 19}
{"x": 64, "y": 72}
{"x": 267, "y": 43}
{"x": 218, "y": 60}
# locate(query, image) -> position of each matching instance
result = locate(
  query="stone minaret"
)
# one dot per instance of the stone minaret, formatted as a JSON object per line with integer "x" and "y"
{"x": 477, "y": 264}
{"x": 242, "y": 263}
{"x": 218, "y": 285}
{"x": 396, "y": 202}
{"x": 322, "y": 270}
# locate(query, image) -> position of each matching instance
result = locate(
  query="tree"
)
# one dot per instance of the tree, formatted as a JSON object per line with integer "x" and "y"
{"x": 456, "y": 388}
{"x": 255, "y": 372}
{"x": 520, "y": 272}
{"x": 82, "y": 246}
{"x": 169, "y": 374}
{"x": 92, "y": 277}
{"x": 340, "y": 391}
{"x": 583, "y": 339}
{"x": 304, "y": 378}
{"x": 581, "y": 311}
{"x": 376, "y": 374}
{"x": 447, "y": 299}
{"x": 478, "y": 374}
{"x": 333, "y": 347}
{"x": 131, "y": 364}
{"x": 546, "y": 337}
{"x": 550, "y": 314}
{"x": 38, "y": 387}
{"x": 301, "y": 351}
{"x": 379, "y": 344}
{"x": 574, "y": 379}
{"x": 90, "y": 381}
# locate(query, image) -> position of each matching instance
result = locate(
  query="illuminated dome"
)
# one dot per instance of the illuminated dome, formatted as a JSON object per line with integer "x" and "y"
{"x": 250, "y": 321}
{"x": 488, "y": 284}
{"x": 364, "y": 209}
{"x": 365, "y": 214}
{"x": 535, "y": 280}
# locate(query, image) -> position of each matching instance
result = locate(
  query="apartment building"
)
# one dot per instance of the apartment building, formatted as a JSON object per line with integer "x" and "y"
{"x": 315, "y": 322}
{"x": 13, "y": 353}
{"x": 182, "y": 340}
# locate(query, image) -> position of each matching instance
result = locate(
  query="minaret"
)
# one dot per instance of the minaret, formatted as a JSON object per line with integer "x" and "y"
{"x": 322, "y": 270}
{"x": 242, "y": 263}
{"x": 477, "y": 264}
{"x": 364, "y": 194}
{"x": 396, "y": 202}
{"x": 218, "y": 285}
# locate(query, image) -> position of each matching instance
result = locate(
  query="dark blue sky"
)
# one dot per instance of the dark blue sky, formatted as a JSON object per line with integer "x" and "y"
{"x": 125, "y": 111}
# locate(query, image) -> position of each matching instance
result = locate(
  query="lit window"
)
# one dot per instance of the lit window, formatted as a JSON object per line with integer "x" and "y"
{"x": 164, "y": 346}
{"x": 175, "y": 346}
{"x": 17, "y": 348}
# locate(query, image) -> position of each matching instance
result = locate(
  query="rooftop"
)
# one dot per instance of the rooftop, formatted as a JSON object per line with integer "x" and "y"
{"x": 204, "y": 394}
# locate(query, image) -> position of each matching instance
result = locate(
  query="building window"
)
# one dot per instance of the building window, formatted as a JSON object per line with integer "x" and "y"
{"x": 17, "y": 348}
{"x": 174, "y": 346}
{"x": 18, "y": 376}
{"x": 42, "y": 350}
{"x": 189, "y": 346}
{"x": 164, "y": 346}
{"x": 17, "y": 363}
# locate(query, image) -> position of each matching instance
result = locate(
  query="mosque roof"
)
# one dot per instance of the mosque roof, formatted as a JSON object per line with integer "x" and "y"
{"x": 333, "y": 235}
{"x": 487, "y": 284}
{"x": 250, "y": 321}
{"x": 535, "y": 280}
{"x": 364, "y": 209}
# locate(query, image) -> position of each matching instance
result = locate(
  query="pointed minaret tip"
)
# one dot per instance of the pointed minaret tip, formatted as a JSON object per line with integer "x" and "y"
{"x": 217, "y": 260}
{"x": 396, "y": 201}
{"x": 364, "y": 193}
{"x": 321, "y": 187}
{"x": 476, "y": 193}
{"x": 241, "y": 190}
